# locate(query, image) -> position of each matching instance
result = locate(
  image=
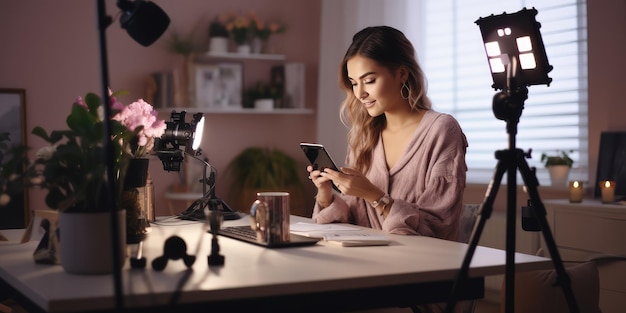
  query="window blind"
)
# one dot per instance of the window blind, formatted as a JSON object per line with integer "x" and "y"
{"x": 554, "y": 116}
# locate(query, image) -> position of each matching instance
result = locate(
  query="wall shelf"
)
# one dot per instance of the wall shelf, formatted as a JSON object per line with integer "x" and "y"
{"x": 293, "y": 111}
{"x": 209, "y": 56}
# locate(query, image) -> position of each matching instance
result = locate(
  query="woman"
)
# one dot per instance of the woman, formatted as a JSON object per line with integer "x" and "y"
{"x": 406, "y": 171}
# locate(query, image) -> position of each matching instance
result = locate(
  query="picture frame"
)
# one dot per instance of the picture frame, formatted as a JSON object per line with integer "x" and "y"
{"x": 219, "y": 85}
{"x": 612, "y": 163}
{"x": 15, "y": 214}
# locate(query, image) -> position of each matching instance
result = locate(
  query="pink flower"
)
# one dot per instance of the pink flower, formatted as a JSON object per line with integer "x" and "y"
{"x": 138, "y": 114}
{"x": 80, "y": 101}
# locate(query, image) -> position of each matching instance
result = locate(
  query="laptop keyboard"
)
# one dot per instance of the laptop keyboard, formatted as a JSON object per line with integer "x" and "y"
{"x": 240, "y": 232}
{"x": 247, "y": 234}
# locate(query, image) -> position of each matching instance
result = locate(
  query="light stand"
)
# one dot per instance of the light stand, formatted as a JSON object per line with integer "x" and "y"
{"x": 517, "y": 59}
{"x": 145, "y": 23}
{"x": 196, "y": 211}
{"x": 168, "y": 148}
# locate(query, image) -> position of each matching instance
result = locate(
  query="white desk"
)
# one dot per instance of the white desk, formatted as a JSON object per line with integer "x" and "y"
{"x": 415, "y": 268}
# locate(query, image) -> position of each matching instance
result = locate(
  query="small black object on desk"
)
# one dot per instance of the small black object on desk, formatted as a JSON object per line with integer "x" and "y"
{"x": 139, "y": 261}
{"x": 174, "y": 248}
{"x": 215, "y": 219}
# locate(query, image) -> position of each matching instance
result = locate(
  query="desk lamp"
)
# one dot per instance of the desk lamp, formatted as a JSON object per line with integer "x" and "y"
{"x": 145, "y": 22}
{"x": 178, "y": 133}
{"x": 517, "y": 59}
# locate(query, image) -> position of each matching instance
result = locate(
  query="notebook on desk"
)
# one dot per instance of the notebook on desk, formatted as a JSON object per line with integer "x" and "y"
{"x": 247, "y": 234}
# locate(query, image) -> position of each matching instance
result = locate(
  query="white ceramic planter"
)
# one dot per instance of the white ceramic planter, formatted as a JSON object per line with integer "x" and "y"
{"x": 218, "y": 44}
{"x": 85, "y": 241}
{"x": 264, "y": 104}
{"x": 244, "y": 49}
{"x": 559, "y": 175}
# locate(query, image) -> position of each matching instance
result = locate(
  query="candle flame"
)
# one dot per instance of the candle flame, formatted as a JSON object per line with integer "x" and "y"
{"x": 607, "y": 184}
{"x": 576, "y": 184}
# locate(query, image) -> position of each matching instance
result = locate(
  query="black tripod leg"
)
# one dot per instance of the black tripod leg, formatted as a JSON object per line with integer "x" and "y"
{"x": 485, "y": 213}
{"x": 563, "y": 279}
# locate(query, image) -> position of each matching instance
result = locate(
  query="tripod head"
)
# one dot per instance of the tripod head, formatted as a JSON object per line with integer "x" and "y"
{"x": 508, "y": 105}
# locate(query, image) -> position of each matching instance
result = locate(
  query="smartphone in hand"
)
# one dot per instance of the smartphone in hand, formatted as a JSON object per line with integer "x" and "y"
{"x": 319, "y": 158}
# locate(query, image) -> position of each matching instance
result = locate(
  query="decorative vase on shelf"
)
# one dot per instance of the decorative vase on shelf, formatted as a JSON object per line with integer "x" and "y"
{"x": 244, "y": 48}
{"x": 182, "y": 91}
{"x": 85, "y": 242}
{"x": 133, "y": 199}
{"x": 257, "y": 45}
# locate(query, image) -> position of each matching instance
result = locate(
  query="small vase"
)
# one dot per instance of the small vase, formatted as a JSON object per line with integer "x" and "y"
{"x": 182, "y": 79}
{"x": 243, "y": 48}
{"x": 134, "y": 199}
{"x": 136, "y": 173}
{"x": 85, "y": 242}
{"x": 257, "y": 45}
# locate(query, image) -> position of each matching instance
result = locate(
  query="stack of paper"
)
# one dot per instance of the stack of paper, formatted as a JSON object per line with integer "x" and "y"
{"x": 341, "y": 234}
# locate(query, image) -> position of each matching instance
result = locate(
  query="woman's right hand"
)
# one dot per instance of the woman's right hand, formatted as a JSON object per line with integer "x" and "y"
{"x": 324, "y": 186}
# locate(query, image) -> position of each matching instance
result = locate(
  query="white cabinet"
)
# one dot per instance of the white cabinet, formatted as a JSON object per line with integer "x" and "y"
{"x": 593, "y": 230}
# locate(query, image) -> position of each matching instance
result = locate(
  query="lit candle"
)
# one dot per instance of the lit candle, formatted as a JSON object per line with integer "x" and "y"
{"x": 575, "y": 191}
{"x": 608, "y": 191}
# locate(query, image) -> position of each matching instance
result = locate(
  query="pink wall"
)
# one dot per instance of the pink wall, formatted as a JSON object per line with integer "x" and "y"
{"x": 50, "y": 48}
{"x": 54, "y": 56}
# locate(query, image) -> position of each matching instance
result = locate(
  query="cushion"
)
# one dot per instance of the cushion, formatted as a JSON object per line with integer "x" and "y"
{"x": 535, "y": 290}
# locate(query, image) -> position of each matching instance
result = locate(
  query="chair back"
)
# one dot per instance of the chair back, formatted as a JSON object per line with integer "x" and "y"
{"x": 467, "y": 220}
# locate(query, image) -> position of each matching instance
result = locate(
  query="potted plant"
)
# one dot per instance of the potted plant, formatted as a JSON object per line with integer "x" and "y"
{"x": 13, "y": 163}
{"x": 261, "y": 96}
{"x": 262, "y": 33}
{"x": 141, "y": 117}
{"x": 258, "y": 169}
{"x": 558, "y": 166}
{"x": 240, "y": 28}
{"x": 218, "y": 35}
{"x": 72, "y": 169}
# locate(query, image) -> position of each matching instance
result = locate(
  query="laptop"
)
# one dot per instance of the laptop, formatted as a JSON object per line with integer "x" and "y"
{"x": 247, "y": 234}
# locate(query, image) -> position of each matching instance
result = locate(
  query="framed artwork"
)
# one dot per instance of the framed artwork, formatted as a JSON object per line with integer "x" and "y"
{"x": 219, "y": 85}
{"x": 612, "y": 163}
{"x": 14, "y": 213}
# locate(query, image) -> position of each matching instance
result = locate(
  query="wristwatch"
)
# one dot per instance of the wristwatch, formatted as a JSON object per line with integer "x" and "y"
{"x": 384, "y": 200}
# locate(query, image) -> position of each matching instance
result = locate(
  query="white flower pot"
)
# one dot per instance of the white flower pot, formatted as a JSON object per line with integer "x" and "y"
{"x": 559, "y": 175}
{"x": 244, "y": 49}
{"x": 264, "y": 104}
{"x": 85, "y": 241}
{"x": 218, "y": 44}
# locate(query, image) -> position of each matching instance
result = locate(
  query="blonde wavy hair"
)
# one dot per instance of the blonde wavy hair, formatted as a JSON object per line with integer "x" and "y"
{"x": 391, "y": 49}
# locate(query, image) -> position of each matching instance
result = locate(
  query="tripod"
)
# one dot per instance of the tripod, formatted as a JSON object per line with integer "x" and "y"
{"x": 196, "y": 210}
{"x": 508, "y": 106}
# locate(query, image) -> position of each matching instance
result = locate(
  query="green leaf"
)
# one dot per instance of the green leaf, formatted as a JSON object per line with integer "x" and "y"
{"x": 40, "y": 132}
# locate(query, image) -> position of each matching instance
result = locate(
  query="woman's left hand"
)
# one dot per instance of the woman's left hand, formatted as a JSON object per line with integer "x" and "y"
{"x": 352, "y": 182}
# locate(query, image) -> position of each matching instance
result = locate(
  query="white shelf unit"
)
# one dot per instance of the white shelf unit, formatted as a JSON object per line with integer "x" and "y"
{"x": 221, "y": 56}
{"x": 210, "y": 56}
{"x": 301, "y": 111}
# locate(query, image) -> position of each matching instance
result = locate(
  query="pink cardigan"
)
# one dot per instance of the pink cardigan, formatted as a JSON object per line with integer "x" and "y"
{"x": 426, "y": 184}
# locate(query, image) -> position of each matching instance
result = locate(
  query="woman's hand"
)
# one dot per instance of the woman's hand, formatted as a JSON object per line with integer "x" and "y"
{"x": 324, "y": 188}
{"x": 352, "y": 182}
